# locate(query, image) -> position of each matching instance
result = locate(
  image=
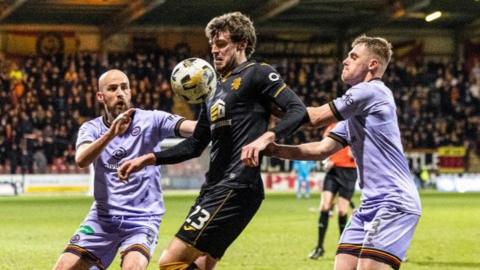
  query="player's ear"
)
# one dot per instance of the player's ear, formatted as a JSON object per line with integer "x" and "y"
{"x": 242, "y": 45}
{"x": 100, "y": 96}
{"x": 373, "y": 64}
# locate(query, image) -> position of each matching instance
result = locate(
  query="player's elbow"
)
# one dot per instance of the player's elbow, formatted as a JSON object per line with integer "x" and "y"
{"x": 81, "y": 163}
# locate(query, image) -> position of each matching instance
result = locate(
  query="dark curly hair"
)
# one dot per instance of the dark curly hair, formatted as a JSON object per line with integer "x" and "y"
{"x": 240, "y": 27}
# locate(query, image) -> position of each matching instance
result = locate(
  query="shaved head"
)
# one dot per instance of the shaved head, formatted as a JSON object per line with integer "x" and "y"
{"x": 114, "y": 92}
{"x": 111, "y": 76}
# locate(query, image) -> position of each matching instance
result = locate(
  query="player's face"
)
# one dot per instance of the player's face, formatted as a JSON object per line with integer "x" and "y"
{"x": 224, "y": 52}
{"x": 355, "y": 66}
{"x": 115, "y": 93}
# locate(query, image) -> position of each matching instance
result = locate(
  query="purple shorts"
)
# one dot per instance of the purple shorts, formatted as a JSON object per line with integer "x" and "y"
{"x": 382, "y": 234}
{"x": 100, "y": 237}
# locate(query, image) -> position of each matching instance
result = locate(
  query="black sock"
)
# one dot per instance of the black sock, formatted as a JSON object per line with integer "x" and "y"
{"x": 352, "y": 205}
{"x": 342, "y": 222}
{"x": 322, "y": 227}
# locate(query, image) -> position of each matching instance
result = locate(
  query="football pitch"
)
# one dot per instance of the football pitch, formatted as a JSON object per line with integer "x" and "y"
{"x": 34, "y": 231}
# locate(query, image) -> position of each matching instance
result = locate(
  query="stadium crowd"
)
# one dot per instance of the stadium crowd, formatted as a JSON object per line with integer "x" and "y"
{"x": 44, "y": 99}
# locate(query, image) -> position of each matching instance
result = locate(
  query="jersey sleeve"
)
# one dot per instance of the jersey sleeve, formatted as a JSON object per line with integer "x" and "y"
{"x": 354, "y": 102}
{"x": 190, "y": 147}
{"x": 269, "y": 80}
{"x": 167, "y": 124}
{"x": 271, "y": 85}
{"x": 339, "y": 133}
{"x": 86, "y": 134}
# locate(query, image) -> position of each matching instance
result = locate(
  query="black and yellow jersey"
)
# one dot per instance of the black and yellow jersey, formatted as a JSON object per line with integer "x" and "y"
{"x": 235, "y": 115}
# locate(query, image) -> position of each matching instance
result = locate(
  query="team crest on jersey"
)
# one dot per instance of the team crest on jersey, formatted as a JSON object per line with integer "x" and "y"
{"x": 135, "y": 131}
{"x": 236, "y": 83}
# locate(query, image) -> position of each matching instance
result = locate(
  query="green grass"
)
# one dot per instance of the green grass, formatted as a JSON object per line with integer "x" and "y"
{"x": 34, "y": 231}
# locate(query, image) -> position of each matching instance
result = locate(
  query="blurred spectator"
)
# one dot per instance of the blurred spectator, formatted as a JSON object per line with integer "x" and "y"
{"x": 46, "y": 98}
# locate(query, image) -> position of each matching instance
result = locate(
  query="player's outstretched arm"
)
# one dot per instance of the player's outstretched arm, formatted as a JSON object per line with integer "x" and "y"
{"x": 321, "y": 116}
{"x": 187, "y": 128}
{"x": 307, "y": 151}
{"x": 87, "y": 152}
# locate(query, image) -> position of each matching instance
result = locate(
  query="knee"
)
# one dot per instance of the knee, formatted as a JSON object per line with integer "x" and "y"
{"x": 325, "y": 207}
{"x": 342, "y": 212}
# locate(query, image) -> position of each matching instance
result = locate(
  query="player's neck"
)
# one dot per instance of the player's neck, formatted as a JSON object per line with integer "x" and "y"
{"x": 372, "y": 76}
{"x": 234, "y": 64}
{"x": 108, "y": 118}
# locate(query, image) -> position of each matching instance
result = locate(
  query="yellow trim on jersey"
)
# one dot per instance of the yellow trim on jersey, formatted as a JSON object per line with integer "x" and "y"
{"x": 213, "y": 216}
{"x": 279, "y": 90}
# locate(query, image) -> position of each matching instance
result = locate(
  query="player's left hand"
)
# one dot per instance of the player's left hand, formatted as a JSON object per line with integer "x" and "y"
{"x": 251, "y": 152}
{"x": 134, "y": 165}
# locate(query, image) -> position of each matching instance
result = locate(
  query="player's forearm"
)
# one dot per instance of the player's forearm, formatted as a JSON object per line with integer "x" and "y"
{"x": 187, "y": 128}
{"x": 297, "y": 152}
{"x": 187, "y": 149}
{"x": 321, "y": 116}
{"x": 295, "y": 113}
{"x": 86, "y": 154}
{"x": 307, "y": 151}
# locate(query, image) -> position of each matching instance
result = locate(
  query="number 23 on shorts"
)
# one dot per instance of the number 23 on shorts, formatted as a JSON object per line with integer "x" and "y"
{"x": 196, "y": 219}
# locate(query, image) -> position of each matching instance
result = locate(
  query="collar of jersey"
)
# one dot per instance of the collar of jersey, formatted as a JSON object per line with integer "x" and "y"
{"x": 105, "y": 122}
{"x": 239, "y": 68}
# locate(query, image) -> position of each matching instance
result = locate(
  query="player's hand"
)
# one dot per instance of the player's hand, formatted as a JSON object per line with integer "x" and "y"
{"x": 121, "y": 123}
{"x": 251, "y": 152}
{"x": 134, "y": 165}
{"x": 327, "y": 164}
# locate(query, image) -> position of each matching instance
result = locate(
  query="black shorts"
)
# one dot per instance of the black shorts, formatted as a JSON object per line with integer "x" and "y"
{"x": 218, "y": 217}
{"x": 341, "y": 180}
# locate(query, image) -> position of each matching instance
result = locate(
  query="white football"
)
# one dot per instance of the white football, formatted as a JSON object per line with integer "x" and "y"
{"x": 194, "y": 80}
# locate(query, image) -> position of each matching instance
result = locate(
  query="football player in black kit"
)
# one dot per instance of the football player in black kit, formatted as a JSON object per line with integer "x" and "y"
{"x": 236, "y": 115}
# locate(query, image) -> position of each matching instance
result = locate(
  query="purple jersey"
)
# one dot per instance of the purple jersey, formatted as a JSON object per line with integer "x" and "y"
{"x": 371, "y": 129}
{"x": 141, "y": 195}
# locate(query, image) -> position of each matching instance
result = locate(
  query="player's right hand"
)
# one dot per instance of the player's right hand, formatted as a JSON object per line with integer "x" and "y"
{"x": 121, "y": 123}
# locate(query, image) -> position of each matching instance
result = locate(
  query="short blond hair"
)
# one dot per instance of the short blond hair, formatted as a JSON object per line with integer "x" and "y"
{"x": 378, "y": 46}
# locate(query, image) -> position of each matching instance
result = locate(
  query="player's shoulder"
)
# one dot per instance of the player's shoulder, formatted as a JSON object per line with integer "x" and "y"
{"x": 95, "y": 122}
{"x": 266, "y": 72}
{"x": 254, "y": 66}
{"x": 373, "y": 89}
{"x": 265, "y": 67}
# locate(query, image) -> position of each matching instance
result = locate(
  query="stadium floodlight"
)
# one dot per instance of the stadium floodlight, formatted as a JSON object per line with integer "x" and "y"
{"x": 433, "y": 16}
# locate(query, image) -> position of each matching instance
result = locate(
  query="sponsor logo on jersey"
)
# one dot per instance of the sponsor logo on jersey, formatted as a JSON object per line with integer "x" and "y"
{"x": 348, "y": 99}
{"x": 222, "y": 123}
{"x": 273, "y": 77}
{"x": 217, "y": 111}
{"x": 119, "y": 153}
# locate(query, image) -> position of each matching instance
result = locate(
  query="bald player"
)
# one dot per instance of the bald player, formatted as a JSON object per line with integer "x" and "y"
{"x": 124, "y": 217}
